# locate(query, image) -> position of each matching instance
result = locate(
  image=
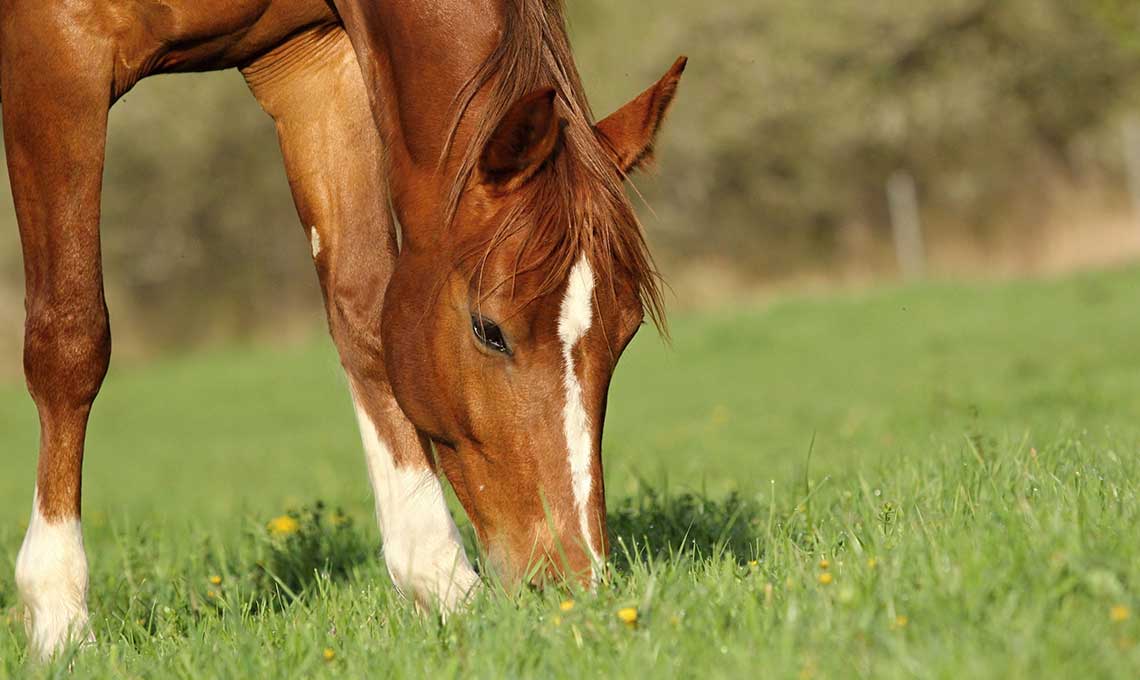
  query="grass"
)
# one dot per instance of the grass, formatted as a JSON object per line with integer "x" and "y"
{"x": 969, "y": 507}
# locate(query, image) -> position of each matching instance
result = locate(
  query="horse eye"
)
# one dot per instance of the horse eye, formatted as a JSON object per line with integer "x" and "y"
{"x": 489, "y": 334}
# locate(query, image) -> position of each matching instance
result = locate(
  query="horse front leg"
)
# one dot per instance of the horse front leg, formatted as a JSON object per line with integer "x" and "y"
{"x": 56, "y": 85}
{"x": 313, "y": 89}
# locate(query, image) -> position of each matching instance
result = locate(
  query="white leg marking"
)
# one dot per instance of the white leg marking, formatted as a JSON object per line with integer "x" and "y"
{"x": 315, "y": 239}
{"x": 574, "y": 320}
{"x": 422, "y": 547}
{"x": 51, "y": 575}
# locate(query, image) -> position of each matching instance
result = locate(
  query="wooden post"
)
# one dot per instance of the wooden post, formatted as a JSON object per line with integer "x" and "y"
{"x": 1131, "y": 134}
{"x": 902, "y": 201}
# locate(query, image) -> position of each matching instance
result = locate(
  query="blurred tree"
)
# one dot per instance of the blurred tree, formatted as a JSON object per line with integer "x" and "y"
{"x": 791, "y": 117}
{"x": 199, "y": 225}
{"x": 200, "y": 237}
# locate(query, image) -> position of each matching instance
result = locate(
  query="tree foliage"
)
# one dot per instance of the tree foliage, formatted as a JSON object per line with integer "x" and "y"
{"x": 790, "y": 118}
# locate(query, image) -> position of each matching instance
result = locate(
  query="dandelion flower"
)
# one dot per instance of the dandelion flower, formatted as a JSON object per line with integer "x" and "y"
{"x": 211, "y": 594}
{"x": 753, "y": 563}
{"x": 1119, "y": 613}
{"x": 900, "y": 622}
{"x": 216, "y": 580}
{"x": 825, "y": 578}
{"x": 628, "y": 615}
{"x": 283, "y": 526}
{"x": 328, "y": 654}
{"x": 824, "y": 564}
{"x": 566, "y": 605}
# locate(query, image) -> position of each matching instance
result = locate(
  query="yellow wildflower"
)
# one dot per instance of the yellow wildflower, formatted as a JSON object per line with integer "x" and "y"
{"x": 824, "y": 564}
{"x": 328, "y": 654}
{"x": 808, "y": 671}
{"x": 628, "y": 615}
{"x": 872, "y": 563}
{"x": 1119, "y": 613}
{"x": 825, "y": 578}
{"x": 216, "y": 580}
{"x": 557, "y": 620}
{"x": 283, "y": 526}
{"x": 753, "y": 563}
{"x": 566, "y": 605}
{"x": 900, "y": 622}
{"x": 211, "y": 594}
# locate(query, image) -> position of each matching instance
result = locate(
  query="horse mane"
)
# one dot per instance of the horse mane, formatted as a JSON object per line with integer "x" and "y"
{"x": 577, "y": 203}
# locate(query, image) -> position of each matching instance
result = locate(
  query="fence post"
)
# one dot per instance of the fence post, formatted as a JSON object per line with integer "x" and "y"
{"x": 902, "y": 201}
{"x": 1131, "y": 134}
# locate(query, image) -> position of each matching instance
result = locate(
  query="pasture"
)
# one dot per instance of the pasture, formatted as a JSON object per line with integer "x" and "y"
{"x": 931, "y": 481}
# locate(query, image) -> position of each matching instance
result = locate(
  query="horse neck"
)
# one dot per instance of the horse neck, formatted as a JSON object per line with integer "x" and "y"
{"x": 435, "y": 48}
{"x": 417, "y": 57}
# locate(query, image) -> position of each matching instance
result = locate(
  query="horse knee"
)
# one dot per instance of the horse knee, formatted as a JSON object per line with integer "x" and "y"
{"x": 356, "y": 333}
{"x": 67, "y": 349}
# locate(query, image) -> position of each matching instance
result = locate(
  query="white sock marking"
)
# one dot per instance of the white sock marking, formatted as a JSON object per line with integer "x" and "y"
{"x": 51, "y": 575}
{"x": 422, "y": 547}
{"x": 574, "y": 320}
{"x": 315, "y": 239}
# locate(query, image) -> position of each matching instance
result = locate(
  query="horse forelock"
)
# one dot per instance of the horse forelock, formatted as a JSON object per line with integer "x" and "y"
{"x": 576, "y": 205}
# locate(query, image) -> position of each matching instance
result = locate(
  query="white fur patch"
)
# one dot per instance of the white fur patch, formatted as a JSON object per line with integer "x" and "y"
{"x": 422, "y": 547}
{"x": 574, "y": 320}
{"x": 315, "y": 240}
{"x": 51, "y": 575}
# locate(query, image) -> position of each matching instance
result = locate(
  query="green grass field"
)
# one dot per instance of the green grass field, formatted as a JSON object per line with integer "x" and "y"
{"x": 969, "y": 507}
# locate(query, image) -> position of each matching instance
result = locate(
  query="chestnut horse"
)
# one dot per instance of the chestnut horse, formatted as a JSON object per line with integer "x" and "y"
{"x": 481, "y": 346}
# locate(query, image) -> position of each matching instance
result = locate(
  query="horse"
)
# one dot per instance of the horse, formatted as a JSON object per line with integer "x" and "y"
{"x": 481, "y": 264}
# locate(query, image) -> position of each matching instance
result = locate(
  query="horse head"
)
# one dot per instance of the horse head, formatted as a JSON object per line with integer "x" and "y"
{"x": 501, "y": 332}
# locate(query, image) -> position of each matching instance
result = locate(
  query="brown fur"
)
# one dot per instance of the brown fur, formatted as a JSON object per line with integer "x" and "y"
{"x": 579, "y": 206}
{"x": 380, "y": 107}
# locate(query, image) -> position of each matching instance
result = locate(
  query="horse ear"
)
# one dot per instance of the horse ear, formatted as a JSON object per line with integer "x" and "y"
{"x": 524, "y": 139}
{"x": 629, "y": 132}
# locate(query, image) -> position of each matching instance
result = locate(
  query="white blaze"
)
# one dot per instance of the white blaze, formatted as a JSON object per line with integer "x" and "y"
{"x": 51, "y": 575}
{"x": 574, "y": 320}
{"x": 422, "y": 547}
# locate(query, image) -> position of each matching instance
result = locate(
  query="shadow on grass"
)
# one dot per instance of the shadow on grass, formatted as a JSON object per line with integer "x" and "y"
{"x": 655, "y": 525}
{"x": 293, "y": 557}
{"x": 305, "y": 546}
{"x": 297, "y": 555}
{"x": 302, "y": 547}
